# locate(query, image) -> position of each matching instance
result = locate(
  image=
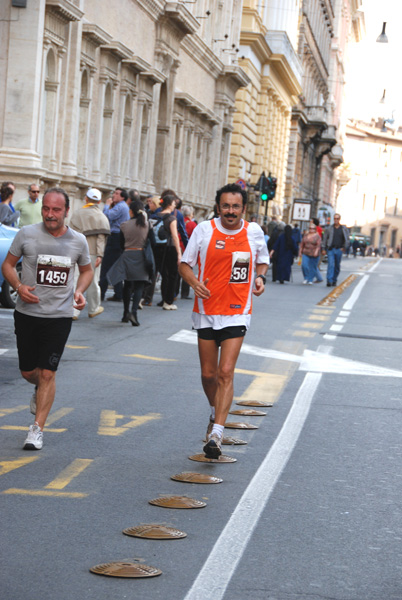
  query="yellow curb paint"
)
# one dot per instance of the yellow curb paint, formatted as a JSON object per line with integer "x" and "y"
{"x": 69, "y": 473}
{"x": 151, "y": 357}
{"x": 10, "y": 465}
{"x": 17, "y": 491}
{"x": 109, "y": 419}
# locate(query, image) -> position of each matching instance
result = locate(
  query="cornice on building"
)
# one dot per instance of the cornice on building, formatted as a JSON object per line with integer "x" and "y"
{"x": 198, "y": 50}
{"x": 258, "y": 44}
{"x": 196, "y": 106}
{"x": 66, "y": 9}
{"x": 285, "y": 61}
{"x": 182, "y": 17}
{"x": 96, "y": 34}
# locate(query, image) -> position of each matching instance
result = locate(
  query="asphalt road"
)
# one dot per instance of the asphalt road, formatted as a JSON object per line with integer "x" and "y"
{"x": 311, "y": 509}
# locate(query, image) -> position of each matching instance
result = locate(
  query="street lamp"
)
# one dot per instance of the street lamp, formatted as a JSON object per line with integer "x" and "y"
{"x": 382, "y": 38}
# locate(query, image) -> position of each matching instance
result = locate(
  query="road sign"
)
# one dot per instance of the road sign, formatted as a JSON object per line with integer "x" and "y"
{"x": 301, "y": 210}
{"x": 241, "y": 183}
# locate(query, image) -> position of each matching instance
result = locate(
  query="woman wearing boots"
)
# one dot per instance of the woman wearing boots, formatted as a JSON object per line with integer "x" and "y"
{"x": 131, "y": 266}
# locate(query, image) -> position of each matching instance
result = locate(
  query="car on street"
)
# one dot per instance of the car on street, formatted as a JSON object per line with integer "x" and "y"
{"x": 8, "y": 296}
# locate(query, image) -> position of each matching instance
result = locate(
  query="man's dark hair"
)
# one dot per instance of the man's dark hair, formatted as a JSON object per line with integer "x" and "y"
{"x": 316, "y": 221}
{"x": 168, "y": 192}
{"x": 231, "y": 188}
{"x": 134, "y": 195}
{"x": 58, "y": 190}
{"x": 123, "y": 193}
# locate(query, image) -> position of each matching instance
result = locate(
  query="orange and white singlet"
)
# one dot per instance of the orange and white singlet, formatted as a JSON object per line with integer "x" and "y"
{"x": 227, "y": 259}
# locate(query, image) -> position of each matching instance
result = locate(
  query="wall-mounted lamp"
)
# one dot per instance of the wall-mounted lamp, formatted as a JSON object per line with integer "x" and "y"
{"x": 225, "y": 37}
{"x": 207, "y": 13}
{"x": 382, "y": 38}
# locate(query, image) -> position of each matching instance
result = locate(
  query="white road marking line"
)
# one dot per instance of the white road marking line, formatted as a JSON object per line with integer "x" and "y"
{"x": 336, "y": 328}
{"x": 215, "y": 575}
{"x": 315, "y": 362}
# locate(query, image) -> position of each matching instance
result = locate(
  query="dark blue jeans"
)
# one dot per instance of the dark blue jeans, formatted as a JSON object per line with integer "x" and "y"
{"x": 334, "y": 264}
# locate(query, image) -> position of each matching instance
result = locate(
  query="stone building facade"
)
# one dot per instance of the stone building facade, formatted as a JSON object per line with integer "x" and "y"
{"x": 315, "y": 147}
{"x": 141, "y": 97}
{"x": 371, "y": 201}
{"x": 268, "y": 45}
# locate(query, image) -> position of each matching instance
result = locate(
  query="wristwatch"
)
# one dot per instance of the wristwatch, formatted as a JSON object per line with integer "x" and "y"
{"x": 264, "y": 279}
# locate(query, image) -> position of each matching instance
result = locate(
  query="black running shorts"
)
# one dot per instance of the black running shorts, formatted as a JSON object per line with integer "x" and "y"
{"x": 220, "y": 335}
{"x": 40, "y": 341}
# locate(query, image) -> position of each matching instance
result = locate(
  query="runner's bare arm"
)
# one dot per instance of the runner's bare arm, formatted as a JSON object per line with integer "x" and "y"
{"x": 259, "y": 286}
{"x": 84, "y": 281}
{"x": 199, "y": 287}
{"x": 11, "y": 275}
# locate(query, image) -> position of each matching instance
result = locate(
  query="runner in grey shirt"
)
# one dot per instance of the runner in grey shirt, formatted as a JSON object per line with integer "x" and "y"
{"x": 46, "y": 297}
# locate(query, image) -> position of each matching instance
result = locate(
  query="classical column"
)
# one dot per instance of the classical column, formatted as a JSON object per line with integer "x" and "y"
{"x": 136, "y": 143}
{"x": 99, "y": 128}
{"x": 72, "y": 101}
{"x": 20, "y": 96}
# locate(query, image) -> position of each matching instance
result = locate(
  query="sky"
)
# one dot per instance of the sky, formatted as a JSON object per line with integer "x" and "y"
{"x": 375, "y": 67}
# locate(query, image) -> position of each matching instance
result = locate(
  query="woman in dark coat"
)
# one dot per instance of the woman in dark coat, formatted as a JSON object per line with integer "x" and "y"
{"x": 285, "y": 249}
{"x": 131, "y": 265}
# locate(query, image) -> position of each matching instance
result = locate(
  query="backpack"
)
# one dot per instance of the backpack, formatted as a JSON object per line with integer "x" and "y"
{"x": 160, "y": 232}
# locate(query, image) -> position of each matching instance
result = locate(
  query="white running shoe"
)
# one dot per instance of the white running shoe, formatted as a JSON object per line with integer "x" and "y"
{"x": 169, "y": 306}
{"x": 32, "y": 405}
{"x": 98, "y": 311}
{"x": 34, "y": 440}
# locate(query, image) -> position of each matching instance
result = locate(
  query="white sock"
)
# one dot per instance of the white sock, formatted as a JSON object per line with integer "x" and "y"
{"x": 213, "y": 413}
{"x": 218, "y": 429}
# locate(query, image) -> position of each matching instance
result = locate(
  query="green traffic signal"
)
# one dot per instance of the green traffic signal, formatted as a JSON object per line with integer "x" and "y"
{"x": 264, "y": 197}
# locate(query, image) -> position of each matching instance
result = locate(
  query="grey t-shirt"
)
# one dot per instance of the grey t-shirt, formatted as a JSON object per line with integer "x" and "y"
{"x": 48, "y": 264}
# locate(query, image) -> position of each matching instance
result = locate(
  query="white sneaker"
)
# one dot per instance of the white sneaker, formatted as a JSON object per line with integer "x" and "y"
{"x": 32, "y": 405}
{"x": 304, "y": 282}
{"x": 98, "y": 311}
{"x": 34, "y": 440}
{"x": 169, "y": 306}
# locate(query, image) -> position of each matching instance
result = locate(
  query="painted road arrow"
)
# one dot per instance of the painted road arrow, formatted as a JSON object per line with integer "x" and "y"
{"x": 313, "y": 362}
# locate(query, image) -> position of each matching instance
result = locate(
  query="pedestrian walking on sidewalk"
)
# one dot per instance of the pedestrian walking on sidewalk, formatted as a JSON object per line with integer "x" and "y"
{"x": 335, "y": 241}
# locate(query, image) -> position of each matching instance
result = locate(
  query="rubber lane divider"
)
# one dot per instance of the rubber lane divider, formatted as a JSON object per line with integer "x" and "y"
{"x": 336, "y": 292}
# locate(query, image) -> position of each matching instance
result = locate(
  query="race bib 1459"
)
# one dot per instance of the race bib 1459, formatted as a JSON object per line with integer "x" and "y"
{"x": 52, "y": 271}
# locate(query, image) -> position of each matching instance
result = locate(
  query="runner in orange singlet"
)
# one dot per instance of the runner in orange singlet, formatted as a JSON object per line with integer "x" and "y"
{"x": 228, "y": 251}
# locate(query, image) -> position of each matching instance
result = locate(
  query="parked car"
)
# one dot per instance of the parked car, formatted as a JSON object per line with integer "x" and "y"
{"x": 8, "y": 297}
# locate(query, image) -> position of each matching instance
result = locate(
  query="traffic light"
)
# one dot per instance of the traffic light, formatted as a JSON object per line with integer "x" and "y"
{"x": 272, "y": 183}
{"x": 267, "y": 187}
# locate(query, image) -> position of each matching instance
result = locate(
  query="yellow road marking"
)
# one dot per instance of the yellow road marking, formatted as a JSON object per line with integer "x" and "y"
{"x": 67, "y": 475}
{"x": 24, "y": 428}
{"x": 109, "y": 418}
{"x": 311, "y": 325}
{"x": 10, "y": 411}
{"x": 9, "y": 465}
{"x": 301, "y": 333}
{"x": 318, "y": 317}
{"x": 255, "y": 373}
{"x": 58, "y": 414}
{"x": 151, "y": 357}
{"x": 44, "y": 493}
{"x": 77, "y": 347}
{"x": 127, "y": 377}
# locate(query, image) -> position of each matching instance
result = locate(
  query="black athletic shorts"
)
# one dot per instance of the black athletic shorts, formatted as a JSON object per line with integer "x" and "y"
{"x": 40, "y": 341}
{"x": 220, "y": 335}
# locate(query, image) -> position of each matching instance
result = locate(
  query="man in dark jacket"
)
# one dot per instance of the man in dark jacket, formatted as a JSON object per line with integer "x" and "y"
{"x": 335, "y": 240}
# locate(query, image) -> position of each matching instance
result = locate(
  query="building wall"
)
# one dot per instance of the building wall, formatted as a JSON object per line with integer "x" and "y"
{"x": 262, "y": 116}
{"x": 141, "y": 97}
{"x": 372, "y": 198}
